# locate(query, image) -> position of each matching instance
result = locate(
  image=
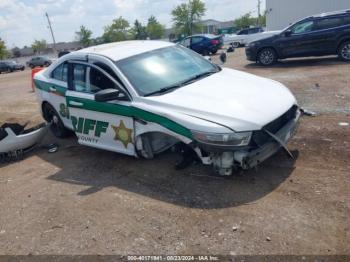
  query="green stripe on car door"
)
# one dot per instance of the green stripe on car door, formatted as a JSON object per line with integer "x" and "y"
{"x": 61, "y": 91}
{"x": 131, "y": 111}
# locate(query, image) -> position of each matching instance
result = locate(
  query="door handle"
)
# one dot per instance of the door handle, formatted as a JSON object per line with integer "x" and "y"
{"x": 74, "y": 103}
{"x": 52, "y": 89}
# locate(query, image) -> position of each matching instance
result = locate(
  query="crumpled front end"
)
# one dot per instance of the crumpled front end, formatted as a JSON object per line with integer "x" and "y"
{"x": 263, "y": 144}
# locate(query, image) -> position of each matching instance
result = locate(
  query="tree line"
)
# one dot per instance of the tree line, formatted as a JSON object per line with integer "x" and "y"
{"x": 185, "y": 17}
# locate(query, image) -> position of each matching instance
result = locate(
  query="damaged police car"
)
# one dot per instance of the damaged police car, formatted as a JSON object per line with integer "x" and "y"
{"x": 141, "y": 98}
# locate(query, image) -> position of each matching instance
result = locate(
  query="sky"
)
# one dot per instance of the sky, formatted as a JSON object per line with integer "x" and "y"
{"x": 23, "y": 21}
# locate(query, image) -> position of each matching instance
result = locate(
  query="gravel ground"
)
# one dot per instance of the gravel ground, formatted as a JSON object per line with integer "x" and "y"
{"x": 82, "y": 200}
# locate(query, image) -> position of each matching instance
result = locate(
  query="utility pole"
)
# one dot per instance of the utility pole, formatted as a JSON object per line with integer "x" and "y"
{"x": 259, "y": 15}
{"x": 53, "y": 37}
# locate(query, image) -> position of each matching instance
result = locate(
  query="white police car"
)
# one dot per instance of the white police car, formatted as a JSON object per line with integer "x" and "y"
{"x": 141, "y": 98}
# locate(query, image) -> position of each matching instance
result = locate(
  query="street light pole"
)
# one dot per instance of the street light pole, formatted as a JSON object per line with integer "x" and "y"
{"x": 259, "y": 16}
{"x": 53, "y": 37}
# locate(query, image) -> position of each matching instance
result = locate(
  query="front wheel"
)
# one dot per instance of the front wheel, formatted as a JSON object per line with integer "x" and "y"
{"x": 56, "y": 125}
{"x": 344, "y": 51}
{"x": 267, "y": 57}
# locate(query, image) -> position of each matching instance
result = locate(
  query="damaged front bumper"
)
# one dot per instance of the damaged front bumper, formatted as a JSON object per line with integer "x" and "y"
{"x": 250, "y": 159}
{"x": 247, "y": 158}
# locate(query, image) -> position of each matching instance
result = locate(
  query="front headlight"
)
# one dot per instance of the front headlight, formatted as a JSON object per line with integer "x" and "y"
{"x": 227, "y": 139}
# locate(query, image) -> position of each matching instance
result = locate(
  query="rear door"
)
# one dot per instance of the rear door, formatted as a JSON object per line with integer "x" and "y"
{"x": 56, "y": 88}
{"x": 104, "y": 125}
{"x": 197, "y": 44}
{"x": 303, "y": 40}
{"x": 328, "y": 29}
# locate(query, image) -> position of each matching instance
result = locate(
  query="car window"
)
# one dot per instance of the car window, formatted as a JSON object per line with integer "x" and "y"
{"x": 253, "y": 31}
{"x": 196, "y": 40}
{"x": 99, "y": 81}
{"x": 243, "y": 32}
{"x": 186, "y": 42}
{"x": 109, "y": 71}
{"x": 60, "y": 73}
{"x": 79, "y": 78}
{"x": 162, "y": 68}
{"x": 303, "y": 27}
{"x": 328, "y": 23}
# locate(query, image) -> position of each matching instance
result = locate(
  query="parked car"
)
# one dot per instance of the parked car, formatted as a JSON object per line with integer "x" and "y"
{"x": 203, "y": 44}
{"x": 242, "y": 37}
{"x": 319, "y": 35}
{"x": 39, "y": 61}
{"x": 141, "y": 98}
{"x": 10, "y": 66}
{"x": 62, "y": 53}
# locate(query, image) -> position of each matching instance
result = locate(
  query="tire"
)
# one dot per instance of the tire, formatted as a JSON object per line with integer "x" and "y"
{"x": 344, "y": 51}
{"x": 31, "y": 66}
{"x": 57, "y": 127}
{"x": 214, "y": 52}
{"x": 236, "y": 44}
{"x": 267, "y": 57}
{"x": 46, "y": 64}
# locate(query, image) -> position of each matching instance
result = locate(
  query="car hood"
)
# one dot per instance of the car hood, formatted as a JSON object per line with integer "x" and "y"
{"x": 231, "y": 98}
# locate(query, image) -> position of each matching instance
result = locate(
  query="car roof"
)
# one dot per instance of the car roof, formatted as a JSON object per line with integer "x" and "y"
{"x": 206, "y": 35}
{"x": 120, "y": 50}
{"x": 334, "y": 13}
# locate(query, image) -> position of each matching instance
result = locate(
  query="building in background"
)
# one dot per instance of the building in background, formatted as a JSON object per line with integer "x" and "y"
{"x": 281, "y": 13}
{"x": 211, "y": 26}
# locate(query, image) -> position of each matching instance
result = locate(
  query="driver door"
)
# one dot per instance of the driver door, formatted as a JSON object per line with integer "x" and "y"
{"x": 106, "y": 125}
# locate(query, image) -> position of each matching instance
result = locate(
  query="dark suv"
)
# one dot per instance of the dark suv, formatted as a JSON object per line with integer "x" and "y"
{"x": 39, "y": 61}
{"x": 203, "y": 44}
{"x": 320, "y": 35}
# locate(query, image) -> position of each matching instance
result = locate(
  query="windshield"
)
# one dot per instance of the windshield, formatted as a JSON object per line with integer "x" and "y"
{"x": 164, "y": 69}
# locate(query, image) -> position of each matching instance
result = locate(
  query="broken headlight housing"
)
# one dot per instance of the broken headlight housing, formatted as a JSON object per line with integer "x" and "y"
{"x": 226, "y": 139}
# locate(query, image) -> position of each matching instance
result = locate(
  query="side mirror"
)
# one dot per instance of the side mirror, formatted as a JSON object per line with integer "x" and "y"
{"x": 107, "y": 95}
{"x": 288, "y": 33}
{"x": 223, "y": 58}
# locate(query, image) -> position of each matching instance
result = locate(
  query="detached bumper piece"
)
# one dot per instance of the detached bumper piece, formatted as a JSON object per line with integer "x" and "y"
{"x": 15, "y": 140}
{"x": 274, "y": 142}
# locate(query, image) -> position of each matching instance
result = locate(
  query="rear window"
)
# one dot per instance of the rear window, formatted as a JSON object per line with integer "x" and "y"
{"x": 60, "y": 73}
{"x": 328, "y": 23}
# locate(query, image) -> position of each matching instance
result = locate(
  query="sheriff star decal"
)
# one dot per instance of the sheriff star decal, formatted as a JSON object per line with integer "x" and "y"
{"x": 122, "y": 133}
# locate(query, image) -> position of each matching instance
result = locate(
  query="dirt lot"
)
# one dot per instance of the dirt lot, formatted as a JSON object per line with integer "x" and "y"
{"x": 87, "y": 201}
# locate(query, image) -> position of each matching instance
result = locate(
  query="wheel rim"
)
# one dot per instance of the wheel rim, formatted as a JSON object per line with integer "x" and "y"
{"x": 266, "y": 57}
{"x": 345, "y": 52}
{"x": 235, "y": 44}
{"x": 54, "y": 121}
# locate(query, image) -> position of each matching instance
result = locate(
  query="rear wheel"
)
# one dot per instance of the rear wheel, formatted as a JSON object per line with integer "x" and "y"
{"x": 56, "y": 125}
{"x": 235, "y": 44}
{"x": 344, "y": 51}
{"x": 267, "y": 57}
{"x": 46, "y": 64}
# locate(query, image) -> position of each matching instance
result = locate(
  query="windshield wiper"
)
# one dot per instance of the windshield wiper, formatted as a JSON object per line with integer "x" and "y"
{"x": 186, "y": 82}
{"x": 164, "y": 90}
{"x": 199, "y": 76}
